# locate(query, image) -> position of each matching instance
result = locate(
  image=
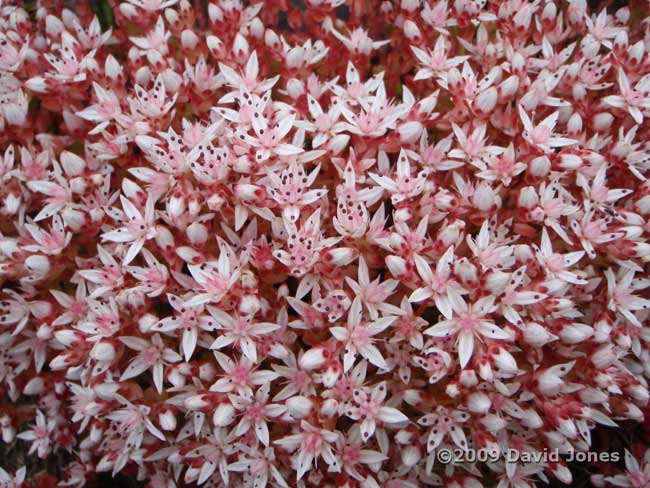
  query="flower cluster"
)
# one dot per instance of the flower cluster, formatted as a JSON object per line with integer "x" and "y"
{"x": 316, "y": 243}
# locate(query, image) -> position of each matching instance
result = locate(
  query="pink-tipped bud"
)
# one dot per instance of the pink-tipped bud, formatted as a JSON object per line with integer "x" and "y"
{"x": 11, "y": 204}
{"x": 38, "y": 265}
{"x": 196, "y": 402}
{"x": 468, "y": 378}
{"x": 223, "y": 415}
{"x": 197, "y": 234}
{"x": 189, "y": 40}
{"x": 454, "y": 79}
{"x": 256, "y": 28}
{"x": 531, "y": 419}
{"x": 215, "y": 14}
{"x": 329, "y": 408}
{"x": 574, "y": 125}
{"x": 271, "y": 39}
{"x": 396, "y": 265}
{"x": 486, "y": 100}
{"x": 602, "y": 121}
{"x": 411, "y": 455}
{"x": 412, "y": 31}
{"x": 172, "y": 17}
{"x": 8, "y": 434}
{"x": 129, "y": 11}
{"x": 207, "y": 372}
{"x": 146, "y": 322}
{"x": 313, "y": 359}
{"x": 53, "y": 26}
{"x": 331, "y": 376}
{"x": 167, "y": 420}
{"x": 622, "y": 15}
{"x": 299, "y": 407}
{"x": 215, "y": 46}
{"x": 549, "y": 13}
{"x": 485, "y": 198}
{"x": 103, "y": 351}
{"x": 575, "y": 333}
{"x": 35, "y": 386}
{"x": 479, "y": 402}
{"x": 175, "y": 206}
{"x": 341, "y": 256}
{"x": 509, "y": 87}
{"x": 504, "y": 361}
{"x": 528, "y": 198}
{"x": 485, "y": 371}
{"x": 410, "y": 132}
{"x": 249, "y": 305}
{"x": 466, "y": 271}
{"x": 452, "y": 389}
{"x": 636, "y": 52}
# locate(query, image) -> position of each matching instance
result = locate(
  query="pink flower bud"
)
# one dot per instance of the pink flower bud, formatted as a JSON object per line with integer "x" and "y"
{"x": 197, "y": 402}
{"x": 256, "y": 28}
{"x": 207, "y": 372}
{"x": 409, "y": 5}
{"x": 172, "y": 16}
{"x": 468, "y": 378}
{"x": 331, "y": 376}
{"x": 72, "y": 164}
{"x": 167, "y": 420}
{"x": 532, "y": 419}
{"x": 486, "y": 100}
{"x": 341, "y": 256}
{"x": 329, "y": 408}
{"x": 215, "y": 13}
{"x": 452, "y": 389}
{"x": 271, "y": 39}
{"x": 410, "y": 455}
{"x": 146, "y": 322}
{"x": 223, "y": 415}
{"x": 38, "y": 265}
{"x": 249, "y": 305}
{"x": 485, "y": 371}
{"x": 466, "y": 271}
{"x": 299, "y": 407}
{"x": 479, "y": 403}
{"x": 396, "y": 265}
{"x": 509, "y": 87}
{"x": 189, "y": 40}
{"x": 549, "y": 13}
{"x": 8, "y": 434}
{"x": 528, "y": 198}
{"x": 602, "y": 121}
{"x": 129, "y": 11}
{"x": 313, "y": 359}
{"x": 409, "y": 132}
{"x": 103, "y": 351}
{"x": 35, "y": 386}
{"x": 484, "y": 197}
{"x": 575, "y": 333}
{"x": 504, "y": 361}
{"x": 197, "y": 233}
{"x": 53, "y": 26}
{"x": 215, "y": 46}
{"x": 11, "y": 204}
{"x": 411, "y": 31}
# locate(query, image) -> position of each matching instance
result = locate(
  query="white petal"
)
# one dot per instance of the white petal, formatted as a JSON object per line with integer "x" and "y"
{"x": 465, "y": 347}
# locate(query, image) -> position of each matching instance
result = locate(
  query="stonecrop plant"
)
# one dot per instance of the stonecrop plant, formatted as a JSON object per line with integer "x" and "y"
{"x": 318, "y": 243}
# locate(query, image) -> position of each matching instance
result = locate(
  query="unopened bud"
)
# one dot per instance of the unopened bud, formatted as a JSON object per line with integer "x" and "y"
{"x": 299, "y": 407}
